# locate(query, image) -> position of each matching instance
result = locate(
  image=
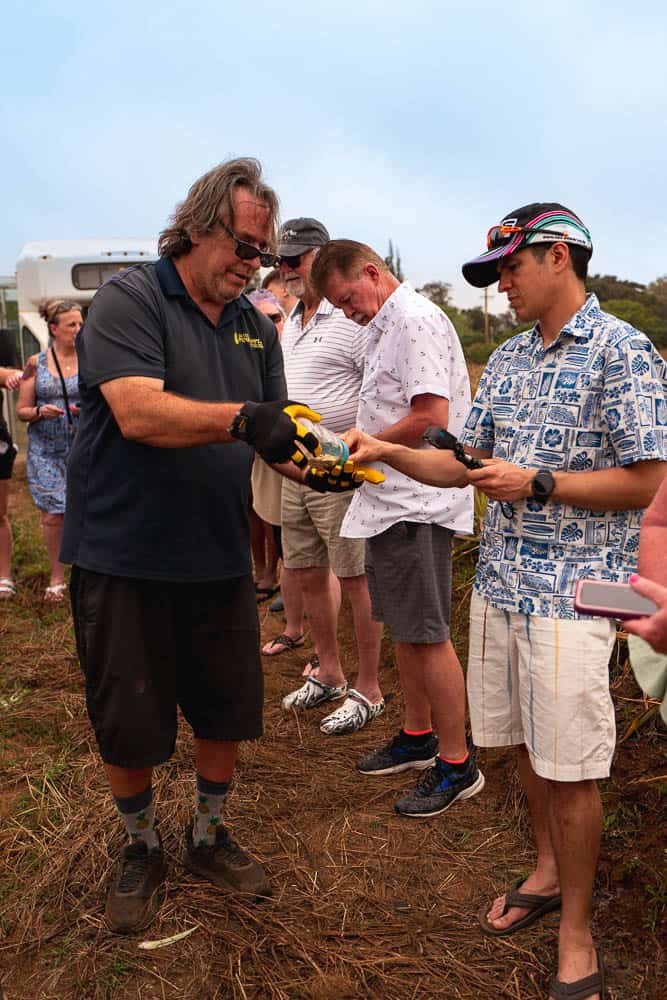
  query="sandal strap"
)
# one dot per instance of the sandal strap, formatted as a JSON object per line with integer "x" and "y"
{"x": 578, "y": 990}
{"x": 286, "y": 640}
{"x": 525, "y": 900}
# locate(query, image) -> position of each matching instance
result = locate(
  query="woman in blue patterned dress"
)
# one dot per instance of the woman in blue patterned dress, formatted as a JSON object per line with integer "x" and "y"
{"x": 43, "y": 404}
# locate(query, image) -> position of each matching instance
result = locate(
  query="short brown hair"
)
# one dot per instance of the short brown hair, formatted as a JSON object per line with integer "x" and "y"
{"x": 210, "y": 198}
{"x": 579, "y": 256}
{"x": 344, "y": 256}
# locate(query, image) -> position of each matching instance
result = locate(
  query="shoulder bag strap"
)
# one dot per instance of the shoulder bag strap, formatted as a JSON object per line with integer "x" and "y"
{"x": 64, "y": 387}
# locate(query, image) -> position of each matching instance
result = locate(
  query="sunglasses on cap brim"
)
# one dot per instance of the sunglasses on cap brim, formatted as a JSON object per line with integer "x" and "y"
{"x": 498, "y": 236}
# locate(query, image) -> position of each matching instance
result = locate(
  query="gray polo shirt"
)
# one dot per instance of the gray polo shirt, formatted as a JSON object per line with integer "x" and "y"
{"x": 165, "y": 513}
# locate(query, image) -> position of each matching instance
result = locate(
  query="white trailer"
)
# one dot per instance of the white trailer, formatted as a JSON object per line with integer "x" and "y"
{"x": 68, "y": 269}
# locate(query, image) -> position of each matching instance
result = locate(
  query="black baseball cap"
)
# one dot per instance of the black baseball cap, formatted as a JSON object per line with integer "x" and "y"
{"x": 298, "y": 235}
{"x": 540, "y": 222}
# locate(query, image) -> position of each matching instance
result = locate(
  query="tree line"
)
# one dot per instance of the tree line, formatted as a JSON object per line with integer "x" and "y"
{"x": 644, "y": 306}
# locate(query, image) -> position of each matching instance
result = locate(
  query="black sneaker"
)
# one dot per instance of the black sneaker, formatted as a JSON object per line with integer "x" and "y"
{"x": 132, "y": 899}
{"x": 397, "y": 755}
{"x": 441, "y": 786}
{"x": 226, "y": 864}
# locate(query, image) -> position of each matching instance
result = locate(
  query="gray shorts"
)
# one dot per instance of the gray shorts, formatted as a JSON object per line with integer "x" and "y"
{"x": 409, "y": 570}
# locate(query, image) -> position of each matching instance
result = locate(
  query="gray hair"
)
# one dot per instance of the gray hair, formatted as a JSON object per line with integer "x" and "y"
{"x": 210, "y": 198}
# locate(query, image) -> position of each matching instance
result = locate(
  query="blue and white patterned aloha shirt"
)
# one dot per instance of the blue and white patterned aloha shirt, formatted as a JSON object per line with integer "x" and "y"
{"x": 594, "y": 399}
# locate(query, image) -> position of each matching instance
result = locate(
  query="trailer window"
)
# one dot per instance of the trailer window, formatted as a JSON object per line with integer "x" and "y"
{"x": 29, "y": 344}
{"x": 87, "y": 277}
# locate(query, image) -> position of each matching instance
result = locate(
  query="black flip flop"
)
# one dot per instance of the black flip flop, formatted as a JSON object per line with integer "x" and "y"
{"x": 581, "y": 988}
{"x": 263, "y": 593}
{"x": 538, "y": 906}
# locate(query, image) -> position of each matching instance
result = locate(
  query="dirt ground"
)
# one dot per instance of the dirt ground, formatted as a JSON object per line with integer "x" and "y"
{"x": 367, "y": 903}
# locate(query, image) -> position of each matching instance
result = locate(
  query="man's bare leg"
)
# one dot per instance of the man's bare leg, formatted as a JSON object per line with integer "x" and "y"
{"x": 434, "y": 690}
{"x": 290, "y": 588}
{"x": 368, "y": 635}
{"x": 445, "y": 689}
{"x": 544, "y": 880}
{"x": 216, "y": 759}
{"x": 125, "y": 782}
{"x": 567, "y": 823}
{"x": 576, "y": 829}
{"x": 322, "y": 603}
{"x": 417, "y": 706}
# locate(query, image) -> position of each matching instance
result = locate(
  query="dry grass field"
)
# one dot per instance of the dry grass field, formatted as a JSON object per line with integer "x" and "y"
{"x": 367, "y": 904}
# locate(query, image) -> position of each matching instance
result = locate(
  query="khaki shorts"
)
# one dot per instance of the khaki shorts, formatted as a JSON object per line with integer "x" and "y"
{"x": 543, "y": 682}
{"x": 311, "y": 531}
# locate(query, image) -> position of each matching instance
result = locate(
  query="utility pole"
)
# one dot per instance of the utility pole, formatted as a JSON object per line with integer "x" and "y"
{"x": 487, "y": 332}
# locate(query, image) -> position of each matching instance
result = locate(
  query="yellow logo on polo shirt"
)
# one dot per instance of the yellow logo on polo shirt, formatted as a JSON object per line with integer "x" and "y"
{"x": 245, "y": 338}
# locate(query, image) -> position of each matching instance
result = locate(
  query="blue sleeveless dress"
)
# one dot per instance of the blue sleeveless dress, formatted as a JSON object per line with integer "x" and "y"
{"x": 49, "y": 441}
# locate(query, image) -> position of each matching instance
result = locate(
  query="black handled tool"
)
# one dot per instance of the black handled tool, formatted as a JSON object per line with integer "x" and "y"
{"x": 441, "y": 438}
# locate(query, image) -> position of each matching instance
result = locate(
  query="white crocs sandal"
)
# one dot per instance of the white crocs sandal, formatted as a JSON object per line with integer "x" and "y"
{"x": 7, "y": 588}
{"x": 313, "y": 693}
{"x": 355, "y": 712}
{"x": 55, "y": 594}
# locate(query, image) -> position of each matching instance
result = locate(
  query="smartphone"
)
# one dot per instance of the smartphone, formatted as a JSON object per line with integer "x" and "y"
{"x": 611, "y": 600}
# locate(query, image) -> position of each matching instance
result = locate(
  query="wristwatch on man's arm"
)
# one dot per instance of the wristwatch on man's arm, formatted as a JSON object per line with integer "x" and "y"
{"x": 542, "y": 485}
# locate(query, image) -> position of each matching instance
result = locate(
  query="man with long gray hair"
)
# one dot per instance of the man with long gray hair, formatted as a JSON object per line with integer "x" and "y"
{"x": 157, "y": 529}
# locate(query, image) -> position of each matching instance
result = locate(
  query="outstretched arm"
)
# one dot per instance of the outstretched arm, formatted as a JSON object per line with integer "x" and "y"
{"x": 435, "y": 468}
{"x": 629, "y": 487}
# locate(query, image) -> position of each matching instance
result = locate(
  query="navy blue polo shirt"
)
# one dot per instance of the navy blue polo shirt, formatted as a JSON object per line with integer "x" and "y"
{"x": 165, "y": 513}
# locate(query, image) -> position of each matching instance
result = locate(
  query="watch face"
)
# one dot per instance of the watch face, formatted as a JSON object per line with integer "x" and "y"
{"x": 543, "y": 485}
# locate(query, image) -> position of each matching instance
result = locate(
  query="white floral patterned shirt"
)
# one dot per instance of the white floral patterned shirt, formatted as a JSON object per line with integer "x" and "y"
{"x": 594, "y": 399}
{"x": 412, "y": 349}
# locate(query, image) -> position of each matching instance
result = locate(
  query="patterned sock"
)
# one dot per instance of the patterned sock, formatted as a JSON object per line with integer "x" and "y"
{"x": 416, "y": 739}
{"x": 209, "y": 799}
{"x": 138, "y": 815}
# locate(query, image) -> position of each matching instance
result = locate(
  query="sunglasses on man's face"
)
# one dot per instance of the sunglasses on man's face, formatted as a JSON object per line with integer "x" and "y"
{"x": 246, "y": 251}
{"x": 292, "y": 262}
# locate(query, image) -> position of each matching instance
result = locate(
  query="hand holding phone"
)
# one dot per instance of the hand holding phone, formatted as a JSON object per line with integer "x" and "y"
{"x": 611, "y": 600}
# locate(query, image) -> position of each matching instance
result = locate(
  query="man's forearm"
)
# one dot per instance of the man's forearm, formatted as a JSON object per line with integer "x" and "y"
{"x": 165, "y": 420}
{"x": 629, "y": 487}
{"x": 434, "y": 468}
{"x": 408, "y": 431}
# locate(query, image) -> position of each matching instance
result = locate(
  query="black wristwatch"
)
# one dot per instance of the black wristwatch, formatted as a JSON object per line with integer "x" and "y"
{"x": 542, "y": 485}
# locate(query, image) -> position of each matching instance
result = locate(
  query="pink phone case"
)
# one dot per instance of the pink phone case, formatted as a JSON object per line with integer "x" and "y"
{"x": 608, "y": 610}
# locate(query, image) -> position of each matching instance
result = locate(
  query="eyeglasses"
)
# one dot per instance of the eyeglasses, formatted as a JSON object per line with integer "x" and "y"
{"x": 498, "y": 235}
{"x": 274, "y": 317}
{"x": 246, "y": 251}
{"x": 292, "y": 262}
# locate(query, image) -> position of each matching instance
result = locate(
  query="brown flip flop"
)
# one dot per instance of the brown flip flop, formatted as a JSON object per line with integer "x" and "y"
{"x": 538, "y": 906}
{"x": 581, "y": 988}
{"x": 286, "y": 642}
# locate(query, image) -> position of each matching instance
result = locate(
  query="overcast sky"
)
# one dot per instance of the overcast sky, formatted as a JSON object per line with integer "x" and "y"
{"x": 425, "y": 121}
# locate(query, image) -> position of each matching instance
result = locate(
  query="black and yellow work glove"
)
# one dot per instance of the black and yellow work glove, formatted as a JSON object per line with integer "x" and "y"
{"x": 273, "y": 430}
{"x": 341, "y": 478}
